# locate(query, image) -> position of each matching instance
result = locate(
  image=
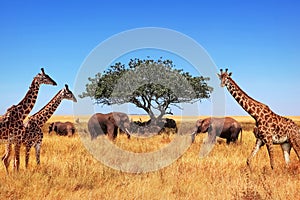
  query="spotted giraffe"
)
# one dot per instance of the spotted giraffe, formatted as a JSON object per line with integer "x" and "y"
{"x": 270, "y": 129}
{"x": 33, "y": 127}
{"x": 15, "y": 116}
{"x": 4, "y": 124}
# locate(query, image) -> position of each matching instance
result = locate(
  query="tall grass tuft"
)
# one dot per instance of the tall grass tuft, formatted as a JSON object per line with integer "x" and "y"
{"x": 69, "y": 171}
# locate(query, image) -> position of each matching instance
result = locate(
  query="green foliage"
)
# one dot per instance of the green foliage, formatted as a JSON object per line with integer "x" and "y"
{"x": 149, "y": 84}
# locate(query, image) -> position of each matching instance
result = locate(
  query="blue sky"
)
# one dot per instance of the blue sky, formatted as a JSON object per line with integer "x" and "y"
{"x": 257, "y": 40}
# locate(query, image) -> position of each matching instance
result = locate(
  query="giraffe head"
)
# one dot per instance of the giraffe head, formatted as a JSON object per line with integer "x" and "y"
{"x": 223, "y": 76}
{"x": 43, "y": 78}
{"x": 67, "y": 94}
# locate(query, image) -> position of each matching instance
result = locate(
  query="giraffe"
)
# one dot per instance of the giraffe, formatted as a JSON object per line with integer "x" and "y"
{"x": 15, "y": 116}
{"x": 33, "y": 127}
{"x": 4, "y": 124}
{"x": 270, "y": 129}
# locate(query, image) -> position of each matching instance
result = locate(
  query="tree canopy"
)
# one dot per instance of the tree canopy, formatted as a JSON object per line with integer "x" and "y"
{"x": 152, "y": 85}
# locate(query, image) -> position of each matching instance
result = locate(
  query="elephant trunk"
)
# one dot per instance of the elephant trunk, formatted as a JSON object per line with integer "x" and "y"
{"x": 193, "y": 135}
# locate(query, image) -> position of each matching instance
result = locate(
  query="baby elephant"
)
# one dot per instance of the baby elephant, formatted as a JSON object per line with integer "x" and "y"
{"x": 227, "y": 128}
{"x": 62, "y": 128}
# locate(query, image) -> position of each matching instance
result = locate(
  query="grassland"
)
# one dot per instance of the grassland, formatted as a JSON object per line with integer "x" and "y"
{"x": 69, "y": 171}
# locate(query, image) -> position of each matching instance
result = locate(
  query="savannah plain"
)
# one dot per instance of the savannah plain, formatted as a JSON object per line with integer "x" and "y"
{"x": 69, "y": 171}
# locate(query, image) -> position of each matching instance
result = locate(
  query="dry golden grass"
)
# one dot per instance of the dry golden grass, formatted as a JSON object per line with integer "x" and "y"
{"x": 69, "y": 171}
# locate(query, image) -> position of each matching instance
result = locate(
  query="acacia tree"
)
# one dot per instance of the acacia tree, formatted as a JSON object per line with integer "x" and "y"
{"x": 152, "y": 85}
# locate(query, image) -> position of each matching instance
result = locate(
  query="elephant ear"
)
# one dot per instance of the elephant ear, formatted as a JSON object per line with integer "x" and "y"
{"x": 111, "y": 118}
{"x": 205, "y": 125}
{"x": 117, "y": 118}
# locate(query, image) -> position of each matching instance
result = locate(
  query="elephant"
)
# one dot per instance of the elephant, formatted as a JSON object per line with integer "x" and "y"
{"x": 139, "y": 126}
{"x": 147, "y": 130}
{"x": 108, "y": 124}
{"x": 62, "y": 128}
{"x": 169, "y": 123}
{"x": 227, "y": 128}
{"x": 153, "y": 126}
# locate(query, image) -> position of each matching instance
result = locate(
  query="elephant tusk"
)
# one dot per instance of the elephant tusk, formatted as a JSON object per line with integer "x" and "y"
{"x": 194, "y": 132}
{"x": 127, "y": 131}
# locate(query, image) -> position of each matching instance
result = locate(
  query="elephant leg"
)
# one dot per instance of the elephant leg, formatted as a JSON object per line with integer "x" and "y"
{"x": 212, "y": 137}
{"x": 115, "y": 132}
{"x": 62, "y": 133}
{"x": 92, "y": 133}
{"x": 59, "y": 132}
{"x": 95, "y": 131}
{"x": 233, "y": 134}
{"x": 228, "y": 140}
{"x": 256, "y": 148}
{"x": 69, "y": 133}
{"x": 233, "y": 137}
{"x": 110, "y": 132}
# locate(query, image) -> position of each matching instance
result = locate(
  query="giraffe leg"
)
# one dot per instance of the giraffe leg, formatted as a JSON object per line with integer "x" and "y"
{"x": 295, "y": 142}
{"x": 37, "y": 153}
{"x": 286, "y": 149}
{"x": 27, "y": 152}
{"x": 5, "y": 157}
{"x": 271, "y": 153}
{"x": 256, "y": 148}
{"x": 17, "y": 156}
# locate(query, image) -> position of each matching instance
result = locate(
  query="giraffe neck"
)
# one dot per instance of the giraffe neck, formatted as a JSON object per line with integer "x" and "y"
{"x": 26, "y": 104}
{"x": 42, "y": 116}
{"x": 250, "y": 105}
